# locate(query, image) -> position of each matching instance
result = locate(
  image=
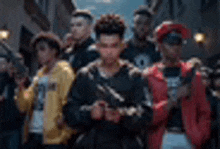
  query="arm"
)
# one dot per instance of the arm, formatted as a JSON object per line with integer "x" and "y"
{"x": 137, "y": 121}
{"x": 65, "y": 83}
{"x": 204, "y": 112}
{"x": 25, "y": 97}
{"x": 75, "y": 111}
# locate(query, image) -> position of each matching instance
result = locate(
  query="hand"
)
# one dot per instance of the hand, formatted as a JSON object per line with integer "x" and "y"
{"x": 20, "y": 81}
{"x": 2, "y": 98}
{"x": 97, "y": 112}
{"x": 112, "y": 115}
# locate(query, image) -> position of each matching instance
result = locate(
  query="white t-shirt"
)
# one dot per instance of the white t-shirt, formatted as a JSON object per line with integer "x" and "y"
{"x": 36, "y": 124}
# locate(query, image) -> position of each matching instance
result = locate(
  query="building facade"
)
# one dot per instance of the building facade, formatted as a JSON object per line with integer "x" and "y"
{"x": 198, "y": 15}
{"x": 25, "y": 18}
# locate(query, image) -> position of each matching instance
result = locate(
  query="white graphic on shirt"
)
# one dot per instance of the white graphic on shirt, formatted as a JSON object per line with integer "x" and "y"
{"x": 36, "y": 125}
{"x": 142, "y": 61}
{"x": 173, "y": 83}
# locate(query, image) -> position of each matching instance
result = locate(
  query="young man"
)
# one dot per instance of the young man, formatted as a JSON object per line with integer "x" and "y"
{"x": 81, "y": 26}
{"x": 43, "y": 100}
{"x": 141, "y": 51}
{"x": 10, "y": 119}
{"x": 107, "y": 103}
{"x": 181, "y": 111}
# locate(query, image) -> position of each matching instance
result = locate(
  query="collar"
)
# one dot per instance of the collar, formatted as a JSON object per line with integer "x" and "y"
{"x": 160, "y": 67}
{"x": 84, "y": 44}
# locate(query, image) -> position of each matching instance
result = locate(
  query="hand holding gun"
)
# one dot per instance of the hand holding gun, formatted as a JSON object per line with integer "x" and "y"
{"x": 21, "y": 70}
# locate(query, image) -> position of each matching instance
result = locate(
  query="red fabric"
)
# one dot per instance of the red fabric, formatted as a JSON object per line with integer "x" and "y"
{"x": 168, "y": 28}
{"x": 195, "y": 112}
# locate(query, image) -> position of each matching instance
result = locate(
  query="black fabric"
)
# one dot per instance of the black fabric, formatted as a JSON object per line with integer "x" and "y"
{"x": 10, "y": 116}
{"x": 103, "y": 134}
{"x": 175, "y": 118}
{"x": 141, "y": 57}
{"x": 82, "y": 54}
{"x": 173, "y": 39}
{"x": 215, "y": 129}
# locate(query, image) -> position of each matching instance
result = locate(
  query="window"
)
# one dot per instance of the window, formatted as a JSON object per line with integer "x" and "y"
{"x": 43, "y": 5}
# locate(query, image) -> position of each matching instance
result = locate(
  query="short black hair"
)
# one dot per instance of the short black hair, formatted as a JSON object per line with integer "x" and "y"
{"x": 143, "y": 10}
{"x": 52, "y": 40}
{"x": 110, "y": 24}
{"x": 85, "y": 14}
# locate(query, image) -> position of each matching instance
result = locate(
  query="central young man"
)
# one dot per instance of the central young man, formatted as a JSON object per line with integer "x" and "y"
{"x": 107, "y": 104}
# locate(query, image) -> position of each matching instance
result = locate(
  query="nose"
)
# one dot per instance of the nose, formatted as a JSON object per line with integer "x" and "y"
{"x": 108, "y": 51}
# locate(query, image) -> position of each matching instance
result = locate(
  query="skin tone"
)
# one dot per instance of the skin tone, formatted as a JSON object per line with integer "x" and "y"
{"x": 171, "y": 53}
{"x": 46, "y": 56}
{"x": 110, "y": 47}
{"x": 171, "y": 56}
{"x": 80, "y": 28}
{"x": 142, "y": 27}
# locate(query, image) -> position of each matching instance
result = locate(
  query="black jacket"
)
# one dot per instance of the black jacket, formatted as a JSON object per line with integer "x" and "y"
{"x": 82, "y": 54}
{"x": 141, "y": 57}
{"x": 128, "y": 84}
{"x": 10, "y": 118}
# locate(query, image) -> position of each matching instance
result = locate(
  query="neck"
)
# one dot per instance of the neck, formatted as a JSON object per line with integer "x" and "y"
{"x": 83, "y": 39}
{"x": 110, "y": 68}
{"x": 139, "y": 42}
{"x": 50, "y": 65}
{"x": 170, "y": 62}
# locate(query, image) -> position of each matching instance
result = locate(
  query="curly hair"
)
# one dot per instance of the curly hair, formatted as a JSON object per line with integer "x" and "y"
{"x": 53, "y": 41}
{"x": 110, "y": 24}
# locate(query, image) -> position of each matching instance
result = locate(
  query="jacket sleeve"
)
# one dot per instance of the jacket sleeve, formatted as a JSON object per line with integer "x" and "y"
{"x": 67, "y": 79}
{"x": 160, "y": 112}
{"x": 76, "y": 111}
{"x": 25, "y": 97}
{"x": 138, "y": 121}
{"x": 203, "y": 112}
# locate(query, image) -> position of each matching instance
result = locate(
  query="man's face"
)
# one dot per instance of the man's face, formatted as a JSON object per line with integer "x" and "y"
{"x": 110, "y": 47}
{"x": 171, "y": 52}
{"x": 44, "y": 52}
{"x": 142, "y": 26}
{"x": 80, "y": 28}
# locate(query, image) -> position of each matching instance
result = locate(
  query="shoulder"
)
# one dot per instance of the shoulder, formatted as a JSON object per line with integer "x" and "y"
{"x": 133, "y": 71}
{"x": 149, "y": 71}
{"x": 84, "y": 71}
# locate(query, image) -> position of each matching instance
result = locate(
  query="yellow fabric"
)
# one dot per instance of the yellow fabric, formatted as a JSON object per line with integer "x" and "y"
{"x": 62, "y": 76}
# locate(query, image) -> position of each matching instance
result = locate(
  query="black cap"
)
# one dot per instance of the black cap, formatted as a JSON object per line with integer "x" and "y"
{"x": 173, "y": 38}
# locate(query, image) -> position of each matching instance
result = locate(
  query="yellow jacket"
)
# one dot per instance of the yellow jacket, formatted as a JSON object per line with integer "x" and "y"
{"x": 59, "y": 85}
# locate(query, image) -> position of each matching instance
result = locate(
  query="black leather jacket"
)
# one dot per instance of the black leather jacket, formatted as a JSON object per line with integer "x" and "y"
{"x": 128, "y": 84}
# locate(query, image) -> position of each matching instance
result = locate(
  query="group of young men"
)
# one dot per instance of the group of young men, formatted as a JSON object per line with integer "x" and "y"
{"x": 111, "y": 93}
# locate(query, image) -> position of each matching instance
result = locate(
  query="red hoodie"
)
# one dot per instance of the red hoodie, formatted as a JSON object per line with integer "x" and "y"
{"x": 195, "y": 112}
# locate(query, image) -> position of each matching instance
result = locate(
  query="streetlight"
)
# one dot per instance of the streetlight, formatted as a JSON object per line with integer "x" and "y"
{"x": 200, "y": 37}
{"x": 4, "y": 33}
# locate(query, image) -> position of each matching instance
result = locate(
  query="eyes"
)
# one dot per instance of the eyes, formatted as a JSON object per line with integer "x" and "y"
{"x": 117, "y": 45}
